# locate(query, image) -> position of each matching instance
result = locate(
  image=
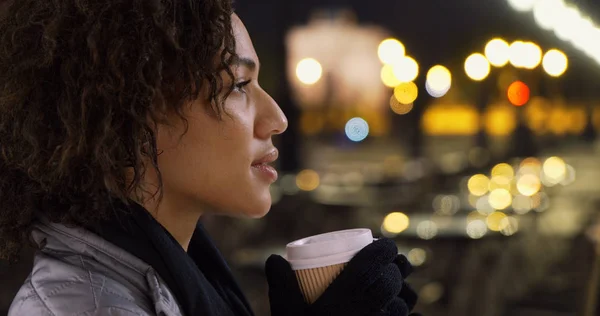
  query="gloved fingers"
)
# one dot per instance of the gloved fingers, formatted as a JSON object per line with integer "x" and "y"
{"x": 283, "y": 284}
{"x": 397, "y": 307}
{"x": 405, "y": 267}
{"x": 367, "y": 264}
{"x": 385, "y": 289}
{"x": 408, "y": 295}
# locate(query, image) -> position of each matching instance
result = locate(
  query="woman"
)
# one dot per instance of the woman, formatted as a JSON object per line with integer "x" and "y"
{"x": 122, "y": 122}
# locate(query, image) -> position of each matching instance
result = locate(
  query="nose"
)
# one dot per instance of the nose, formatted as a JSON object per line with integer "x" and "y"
{"x": 270, "y": 118}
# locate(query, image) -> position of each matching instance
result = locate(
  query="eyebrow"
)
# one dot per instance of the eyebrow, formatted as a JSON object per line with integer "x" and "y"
{"x": 245, "y": 61}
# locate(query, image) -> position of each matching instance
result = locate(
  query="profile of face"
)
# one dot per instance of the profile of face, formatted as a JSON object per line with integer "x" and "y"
{"x": 223, "y": 165}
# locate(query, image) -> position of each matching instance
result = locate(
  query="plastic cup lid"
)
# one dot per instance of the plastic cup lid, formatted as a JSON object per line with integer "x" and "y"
{"x": 327, "y": 249}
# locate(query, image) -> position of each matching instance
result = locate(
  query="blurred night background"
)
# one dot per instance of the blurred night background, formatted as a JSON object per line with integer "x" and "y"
{"x": 466, "y": 130}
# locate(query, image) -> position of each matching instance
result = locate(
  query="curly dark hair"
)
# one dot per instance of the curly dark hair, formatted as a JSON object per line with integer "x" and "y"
{"x": 83, "y": 85}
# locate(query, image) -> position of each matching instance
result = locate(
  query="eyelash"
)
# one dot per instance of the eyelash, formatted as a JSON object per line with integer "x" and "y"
{"x": 239, "y": 87}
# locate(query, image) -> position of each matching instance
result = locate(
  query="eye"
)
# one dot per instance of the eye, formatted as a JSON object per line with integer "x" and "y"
{"x": 239, "y": 87}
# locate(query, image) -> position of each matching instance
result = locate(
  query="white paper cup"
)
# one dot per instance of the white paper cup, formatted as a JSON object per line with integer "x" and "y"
{"x": 319, "y": 259}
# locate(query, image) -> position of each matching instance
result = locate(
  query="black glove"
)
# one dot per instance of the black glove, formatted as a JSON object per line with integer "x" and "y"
{"x": 371, "y": 284}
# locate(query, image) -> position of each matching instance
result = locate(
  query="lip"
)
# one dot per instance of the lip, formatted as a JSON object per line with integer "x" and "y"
{"x": 262, "y": 167}
{"x": 271, "y": 156}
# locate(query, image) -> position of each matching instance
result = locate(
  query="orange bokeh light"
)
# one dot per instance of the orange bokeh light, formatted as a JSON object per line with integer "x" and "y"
{"x": 518, "y": 93}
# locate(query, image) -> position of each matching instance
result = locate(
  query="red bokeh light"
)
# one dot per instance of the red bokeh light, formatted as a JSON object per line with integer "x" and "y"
{"x": 518, "y": 93}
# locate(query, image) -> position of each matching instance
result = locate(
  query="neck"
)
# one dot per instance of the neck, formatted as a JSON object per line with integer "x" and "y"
{"x": 178, "y": 220}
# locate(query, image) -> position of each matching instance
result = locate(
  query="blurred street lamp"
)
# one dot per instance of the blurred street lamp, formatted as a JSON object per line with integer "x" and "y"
{"x": 439, "y": 81}
{"x": 555, "y": 63}
{"x": 309, "y": 71}
{"x": 522, "y": 5}
{"x": 477, "y": 67}
{"x": 406, "y": 69}
{"x": 391, "y": 51}
{"x": 497, "y": 52}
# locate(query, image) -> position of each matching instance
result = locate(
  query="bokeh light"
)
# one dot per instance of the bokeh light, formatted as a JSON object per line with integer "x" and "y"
{"x": 391, "y": 51}
{"x": 357, "y": 129}
{"x": 406, "y": 92}
{"x": 309, "y": 71}
{"x": 509, "y": 226}
{"x": 529, "y": 184}
{"x": 478, "y": 185}
{"x": 518, "y": 93}
{"x": 439, "y": 81}
{"x": 396, "y": 222}
{"x": 555, "y": 63}
{"x": 555, "y": 170}
{"x": 476, "y": 229}
{"x": 417, "y": 256}
{"x": 406, "y": 69}
{"x": 500, "y": 199}
{"x": 387, "y": 76}
{"x": 446, "y": 204}
{"x": 497, "y": 52}
{"x": 533, "y": 55}
{"x": 518, "y": 51}
{"x": 522, "y": 5}
{"x": 548, "y": 12}
{"x": 427, "y": 230}
{"x": 400, "y": 108}
{"x": 307, "y": 180}
{"x": 503, "y": 170}
{"x": 477, "y": 67}
{"x": 522, "y": 204}
{"x": 494, "y": 221}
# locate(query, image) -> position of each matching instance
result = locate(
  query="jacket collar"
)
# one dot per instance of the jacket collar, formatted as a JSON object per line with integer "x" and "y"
{"x": 60, "y": 238}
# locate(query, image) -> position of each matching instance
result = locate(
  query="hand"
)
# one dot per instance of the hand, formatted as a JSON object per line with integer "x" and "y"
{"x": 371, "y": 284}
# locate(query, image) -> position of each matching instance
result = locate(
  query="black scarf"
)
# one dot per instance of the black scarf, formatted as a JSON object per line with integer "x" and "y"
{"x": 200, "y": 279}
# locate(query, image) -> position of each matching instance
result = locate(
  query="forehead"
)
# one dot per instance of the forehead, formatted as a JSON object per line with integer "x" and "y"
{"x": 244, "y": 46}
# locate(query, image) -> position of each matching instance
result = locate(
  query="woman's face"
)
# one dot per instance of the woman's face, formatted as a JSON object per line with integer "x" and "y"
{"x": 222, "y": 165}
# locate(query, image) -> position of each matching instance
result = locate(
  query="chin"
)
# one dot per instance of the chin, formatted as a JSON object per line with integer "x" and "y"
{"x": 258, "y": 208}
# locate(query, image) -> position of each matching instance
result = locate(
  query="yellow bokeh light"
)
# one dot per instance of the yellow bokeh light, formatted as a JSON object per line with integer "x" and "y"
{"x": 494, "y": 221}
{"x": 477, "y": 67}
{"x": 387, "y": 76}
{"x": 475, "y": 216}
{"x": 427, "y": 230}
{"x": 478, "y": 185}
{"x": 530, "y": 165}
{"x": 522, "y": 5}
{"x": 396, "y": 222}
{"x": 522, "y": 204}
{"x": 555, "y": 63}
{"x": 529, "y": 184}
{"x": 500, "y": 182}
{"x": 307, "y": 180}
{"x": 555, "y": 169}
{"x": 476, "y": 229}
{"x": 533, "y": 56}
{"x": 450, "y": 120}
{"x": 500, "y": 199}
{"x": 500, "y": 120}
{"x": 406, "y": 93}
{"x": 439, "y": 80}
{"x": 406, "y": 69}
{"x": 509, "y": 226}
{"x": 497, "y": 52}
{"x": 518, "y": 52}
{"x": 400, "y": 108}
{"x": 391, "y": 51}
{"x": 309, "y": 71}
{"x": 417, "y": 257}
{"x": 503, "y": 170}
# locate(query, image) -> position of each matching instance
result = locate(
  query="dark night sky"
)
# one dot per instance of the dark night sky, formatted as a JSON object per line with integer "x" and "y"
{"x": 434, "y": 31}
